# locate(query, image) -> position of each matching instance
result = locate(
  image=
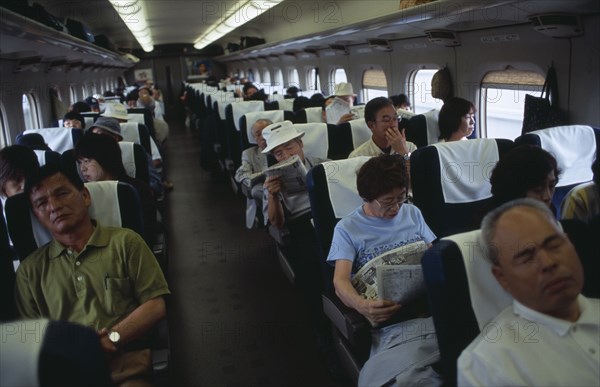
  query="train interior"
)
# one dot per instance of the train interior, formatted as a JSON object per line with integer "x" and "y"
{"x": 236, "y": 315}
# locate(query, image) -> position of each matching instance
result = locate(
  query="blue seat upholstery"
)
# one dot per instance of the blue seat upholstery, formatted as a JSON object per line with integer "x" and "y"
{"x": 574, "y": 142}
{"x": 426, "y": 178}
{"x": 142, "y": 116}
{"x": 8, "y": 309}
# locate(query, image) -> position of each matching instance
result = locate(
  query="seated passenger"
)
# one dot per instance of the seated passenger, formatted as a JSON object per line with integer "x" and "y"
{"x": 401, "y": 353}
{"x": 583, "y": 201}
{"x": 80, "y": 107}
{"x": 291, "y": 92}
{"x": 550, "y": 335}
{"x": 93, "y": 103}
{"x": 161, "y": 128}
{"x": 456, "y": 119}
{"x": 294, "y": 213}
{"x": 33, "y": 141}
{"x": 382, "y": 119}
{"x": 73, "y": 120}
{"x": 17, "y": 163}
{"x": 99, "y": 159}
{"x": 249, "y": 90}
{"x": 345, "y": 92}
{"x": 525, "y": 171}
{"x": 254, "y": 162}
{"x": 101, "y": 277}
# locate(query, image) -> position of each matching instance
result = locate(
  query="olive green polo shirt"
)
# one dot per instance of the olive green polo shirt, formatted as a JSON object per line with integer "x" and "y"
{"x": 114, "y": 274}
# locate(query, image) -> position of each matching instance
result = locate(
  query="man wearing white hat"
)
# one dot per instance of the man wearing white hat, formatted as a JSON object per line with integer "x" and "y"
{"x": 283, "y": 142}
{"x": 345, "y": 92}
{"x": 293, "y": 212}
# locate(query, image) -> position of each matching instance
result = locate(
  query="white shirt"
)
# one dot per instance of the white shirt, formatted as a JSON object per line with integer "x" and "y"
{"x": 369, "y": 148}
{"x": 524, "y": 347}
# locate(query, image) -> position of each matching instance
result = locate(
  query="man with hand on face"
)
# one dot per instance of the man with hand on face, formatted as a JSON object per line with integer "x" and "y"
{"x": 550, "y": 335}
{"x": 382, "y": 119}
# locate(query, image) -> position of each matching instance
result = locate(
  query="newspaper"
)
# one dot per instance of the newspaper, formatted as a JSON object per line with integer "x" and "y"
{"x": 336, "y": 110}
{"x": 358, "y": 111}
{"x": 399, "y": 277}
{"x": 292, "y": 173}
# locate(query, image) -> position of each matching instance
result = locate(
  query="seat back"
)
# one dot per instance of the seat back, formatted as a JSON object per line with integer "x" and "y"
{"x": 315, "y": 139}
{"x": 308, "y": 115}
{"x": 233, "y": 113}
{"x": 286, "y": 104}
{"x": 137, "y": 133}
{"x": 113, "y": 204}
{"x": 574, "y": 148}
{"x": 58, "y": 139}
{"x": 423, "y": 129}
{"x": 142, "y": 116}
{"x": 359, "y": 131}
{"x": 47, "y": 157}
{"x": 89, "y": 118}
{"x": 333, "y": 195}
{"x": 450, "y": 182}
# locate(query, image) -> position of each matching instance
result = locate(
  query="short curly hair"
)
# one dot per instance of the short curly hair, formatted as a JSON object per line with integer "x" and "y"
{"x": 380, "y": 175}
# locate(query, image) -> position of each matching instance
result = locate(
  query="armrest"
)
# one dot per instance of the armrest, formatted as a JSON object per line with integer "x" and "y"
{"x": 348, "y": 321}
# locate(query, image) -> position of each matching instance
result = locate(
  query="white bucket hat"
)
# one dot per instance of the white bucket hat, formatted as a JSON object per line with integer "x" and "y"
{"x": 115, "y": 110}
{"x": 343, "y": 88}
{"x": 278, "y": 134}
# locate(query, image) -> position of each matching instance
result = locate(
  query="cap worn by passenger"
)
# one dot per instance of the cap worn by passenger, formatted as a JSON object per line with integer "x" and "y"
{"x": 115, "y": 110}
{"x": 279, "y": 133}
{"x": 32, "y": 140}
{"x": 109, "y": 124}
{"x": 92, "y": 102}
{"x": 343, "y": 88}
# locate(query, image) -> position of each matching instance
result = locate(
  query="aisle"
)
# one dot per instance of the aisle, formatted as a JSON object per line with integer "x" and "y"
{"x": 234, "y": 319}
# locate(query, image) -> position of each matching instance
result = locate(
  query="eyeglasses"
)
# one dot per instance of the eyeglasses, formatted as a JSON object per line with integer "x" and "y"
{"x": 388, "y": 119}
{"x": 392, "y": 205}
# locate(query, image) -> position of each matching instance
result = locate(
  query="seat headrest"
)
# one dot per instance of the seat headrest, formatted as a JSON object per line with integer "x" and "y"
{"x": 574, "y": 148}
{"x": 315, "y": 140}
{"x": 488, "y": 298}
{"x": 360, "y": 132}
{"x": 466, "y": 167}
{"x": 105, "y": 202}
{"x": 240, "y": 108}
{"x": 341, "y": 184}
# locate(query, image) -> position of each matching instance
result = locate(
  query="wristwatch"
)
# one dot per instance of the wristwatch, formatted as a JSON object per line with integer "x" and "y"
{"x": 406, "y": 156}
{"x": 114, "y": 337}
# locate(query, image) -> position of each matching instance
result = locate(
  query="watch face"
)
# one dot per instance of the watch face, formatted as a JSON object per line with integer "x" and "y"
{"x": 114, "y": 336}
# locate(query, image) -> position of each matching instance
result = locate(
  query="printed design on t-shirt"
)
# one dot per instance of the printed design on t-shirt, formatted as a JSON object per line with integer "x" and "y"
{"x": 373, "y": 252}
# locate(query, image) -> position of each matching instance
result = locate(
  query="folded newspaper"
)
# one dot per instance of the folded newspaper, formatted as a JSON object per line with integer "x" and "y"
{"x": 394, "y": 276}
{"x": 292, "y": 173}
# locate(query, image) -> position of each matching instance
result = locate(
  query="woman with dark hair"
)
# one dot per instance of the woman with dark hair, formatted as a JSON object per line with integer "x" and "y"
{"x": 456, "y": 119}
{"x": 99, "y": 159}
{"x": 526, "y": 171}
{"x": 17, "y": 162}
{"x": 386, "y": 222}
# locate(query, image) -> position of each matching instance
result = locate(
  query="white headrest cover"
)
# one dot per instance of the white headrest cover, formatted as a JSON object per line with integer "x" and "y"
{"x": 360, "y": 132}
{"x": 466, "y": 167}
{"x": 314, "y": 114}
{"x": 128, "y": 157}
{"x": 341, "y": 183}
{"x": 252, "y": 117}
{"x": 105, "y": 202}
{"x": 286, "y": 104}
{"x": 58, "y": 139}
{"x": 241, "y": 108}
{"x": 41, "y": 156}
{"x": 130, "y": 132}
{"x": 433, "y": 127}
{"x": 136, "y": 117}
{"x": 574, "y": 148}
{"x": 224, "y": 100}
{"x": 20, "y": 352}
{"x": 315, "y": 140}
{"x": 488, "y": 298}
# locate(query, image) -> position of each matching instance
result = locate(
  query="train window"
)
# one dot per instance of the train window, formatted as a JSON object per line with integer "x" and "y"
{"x": 374, "y": 84}
{"x": 266, "y": 76}
{"x": 503, "y": 101}
{"x": 278, "y": 80}
{"x": 338, "y": 76}
{"x": 72, "y": 94}
{"x": 3, "y": 128}
{"x": 30, "y": 112}
{"x": 313, "y": 82}
{"x": 294, "y": 78}
{"x": 257, "y": 76}
{"x": 250, "y": 75}
{"x": 421, "y": 91}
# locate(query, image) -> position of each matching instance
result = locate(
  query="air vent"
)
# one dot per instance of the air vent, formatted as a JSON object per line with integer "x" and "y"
{"x": 379, "y": 44}
{"x": 557, "y": 25}
{"x": 444, "y": 38}
{"x": 339, "y": 48}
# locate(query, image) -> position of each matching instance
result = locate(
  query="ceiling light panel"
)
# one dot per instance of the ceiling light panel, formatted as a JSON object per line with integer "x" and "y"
{"x": 133, "y": 14}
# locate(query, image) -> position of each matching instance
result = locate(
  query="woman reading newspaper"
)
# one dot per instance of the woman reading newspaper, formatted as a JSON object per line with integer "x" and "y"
{"x": 404, "y": 344}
